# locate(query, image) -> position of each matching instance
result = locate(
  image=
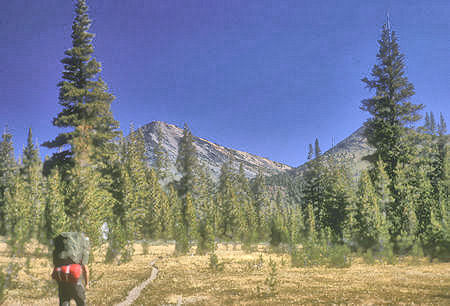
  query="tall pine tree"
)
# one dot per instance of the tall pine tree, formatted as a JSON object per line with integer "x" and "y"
{"x": 86, "y": 104}
{"x": 390, "y": 108}
{"x": 8, "y": 167}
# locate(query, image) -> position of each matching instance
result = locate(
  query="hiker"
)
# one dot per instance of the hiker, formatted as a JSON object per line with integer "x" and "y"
{"x": 70, "y": 258}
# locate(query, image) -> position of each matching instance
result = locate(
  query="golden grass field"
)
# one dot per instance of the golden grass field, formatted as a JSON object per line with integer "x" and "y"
{"x": 189, "y": 280}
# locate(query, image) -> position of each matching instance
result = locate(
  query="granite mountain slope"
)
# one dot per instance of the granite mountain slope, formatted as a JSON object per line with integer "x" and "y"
{"x": 210, "y": 155}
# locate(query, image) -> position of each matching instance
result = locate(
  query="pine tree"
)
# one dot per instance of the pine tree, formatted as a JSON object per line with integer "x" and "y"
{"x": 433, "y": 127}
{"x": 25, "y": 200}
{"x": 190, "y": 217}
{"x": 87, "y": 204}
{"x": 390, "y": 108}
{"x": 8, "y": 167}
{"x": 30, "y": 157}
{"x": 368, "y": 215}
{"x": 56, "y": 220}
{"x": 386, "y": 203}
{"x": 85, "y": 102}
{"x": 206, "y": 238}
{"x": 442, "y": 126}
{"x": 334, "y": 197}
{"x": 18, "y": 215}
{"x": 259, "y": 200}
{"x": 188, "y": 166}
{"x": 295, "y": 225}
{"x": 427, "y": 124}
{"x": 311, "y": 223}
{"x": 317, "y": 151}
{"x": 278, "y": 222}
{"x": 228, "y": 205}
{"x": 310, "y": 152}
{"x": 166, "y": 217}
{"x": 436, "y": 237}
{"x": 34, "y": 188}
{"x": 172, "y": 198}
{"x": 154, "y": 202}
{"x": 129, "y": 220}
{"x": 185, "y": 225}
{"x": 187, "y": 163}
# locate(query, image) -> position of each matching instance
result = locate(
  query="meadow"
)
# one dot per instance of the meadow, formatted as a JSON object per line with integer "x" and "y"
{"x": 261, "y": 277}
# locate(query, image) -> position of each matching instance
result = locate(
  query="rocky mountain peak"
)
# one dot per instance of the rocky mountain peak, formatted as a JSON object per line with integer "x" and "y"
{"x": 210, "y": 155}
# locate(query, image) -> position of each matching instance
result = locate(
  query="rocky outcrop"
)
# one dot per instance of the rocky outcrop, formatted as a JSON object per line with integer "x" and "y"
{"x": 210, "y": 155}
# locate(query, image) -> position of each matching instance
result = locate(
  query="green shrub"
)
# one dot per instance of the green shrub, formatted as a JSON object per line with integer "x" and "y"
{"x": 387, "y": 255}
{"x": 339, "y": 256}
{"x": 214, "y": 263}
{"x": 2, "y": 285}
{"x": 272, "y": 279}
{"x": 311, "y": 254}
{"x": 298, "y": 258}
{"x": 368, "y": 257}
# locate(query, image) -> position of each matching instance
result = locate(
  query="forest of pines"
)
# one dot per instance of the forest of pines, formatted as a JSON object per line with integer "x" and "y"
{"x": 100, "y": 182}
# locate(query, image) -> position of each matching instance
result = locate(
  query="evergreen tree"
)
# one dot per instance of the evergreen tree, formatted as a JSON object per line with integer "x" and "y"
{"x": 436, "y": 237}
{"x": 24, "y": 200}
{"x": 87, "y": 204}
{"x": 442, "y": 126}
{"x": 259, "y": 200}
{"x": 187, "y": 163}
{"x": 8, "y": 167}
{"x": 295, "y": 225}
{"x": 172, "y": 198}
{"x": 386, "y": 202}
{"x": 427, "y": 123}
{"x": 129, "y": 220}
{"x": 338, "y": 199}
{"x": 18, "y": 215}
{"x": 85, "y": 102}
{"x": 185, "y": 225}
{"x": 310, "y": 152}
{"x": 247, "y": 215}
{"x": 186, "y": 217}
{"x": 278, "y": 222}
{"x": 56, "y": 220}
{"x": 229, "y": 211}
{"x": 311, "y": 223}
{"x": 317, "y": 151}
{"x": 31, "y": 174}
{"x": 433, "y": 128}
{"x": 165, "y": 217}
{"x": 206, "y": 238}
{"x": 390, "y": 108}
{"x": 370, "y": 224}
{"x": 30, "y": 157}
{"x": 154, "y": 202}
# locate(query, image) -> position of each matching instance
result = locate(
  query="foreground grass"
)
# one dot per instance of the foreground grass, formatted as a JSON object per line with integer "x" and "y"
{"x": 188, "y": 279}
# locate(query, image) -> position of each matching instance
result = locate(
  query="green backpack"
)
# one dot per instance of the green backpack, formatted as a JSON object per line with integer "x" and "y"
{"x": 71, "y": 248}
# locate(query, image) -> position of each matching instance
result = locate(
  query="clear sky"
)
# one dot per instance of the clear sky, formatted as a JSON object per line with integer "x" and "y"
{"x": 266, "y": 77}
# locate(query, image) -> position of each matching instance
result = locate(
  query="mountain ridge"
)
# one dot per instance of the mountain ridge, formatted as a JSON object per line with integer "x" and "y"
{"x": 210, "y": 154}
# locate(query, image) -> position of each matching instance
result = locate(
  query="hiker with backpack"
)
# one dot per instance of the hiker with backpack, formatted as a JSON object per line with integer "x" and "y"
{"x": 70, "y": 259}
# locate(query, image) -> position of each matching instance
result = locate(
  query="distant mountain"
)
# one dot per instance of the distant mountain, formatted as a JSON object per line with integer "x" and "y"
{"x": 211, "y": 155}
{"x": 350, "y": 151}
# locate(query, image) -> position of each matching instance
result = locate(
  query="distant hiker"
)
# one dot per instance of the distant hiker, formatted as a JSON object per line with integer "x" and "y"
{"x": 70, "y": 258}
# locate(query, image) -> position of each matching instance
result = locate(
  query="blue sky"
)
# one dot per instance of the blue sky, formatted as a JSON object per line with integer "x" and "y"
{"x": 266, "y": 77}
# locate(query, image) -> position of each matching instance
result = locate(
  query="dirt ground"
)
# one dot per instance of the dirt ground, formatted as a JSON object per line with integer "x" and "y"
{"x": 189, "y": 280}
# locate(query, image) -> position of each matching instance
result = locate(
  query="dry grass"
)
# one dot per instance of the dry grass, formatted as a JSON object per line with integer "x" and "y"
{"x": 190, "y": 280}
